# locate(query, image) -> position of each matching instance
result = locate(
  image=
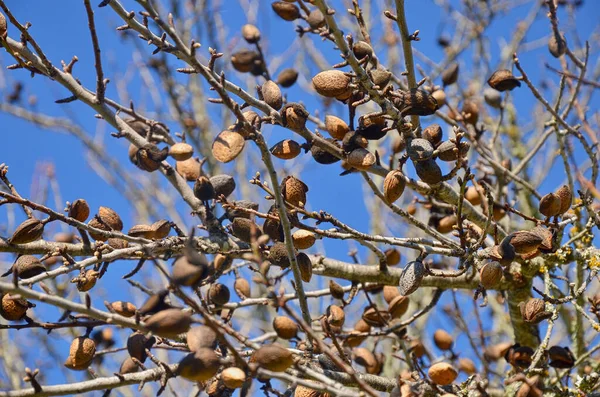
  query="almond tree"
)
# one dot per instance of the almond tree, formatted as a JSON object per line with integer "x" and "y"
{"x": 233, "y": 288}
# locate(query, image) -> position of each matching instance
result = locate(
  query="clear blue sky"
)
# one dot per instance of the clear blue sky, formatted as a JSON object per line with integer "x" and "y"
{"x": 61, "y": 29}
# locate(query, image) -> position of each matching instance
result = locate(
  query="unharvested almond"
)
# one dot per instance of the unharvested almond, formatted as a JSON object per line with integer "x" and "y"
{"x": 181, "y": 151}
{"x": 81, "y": 353}
{"x": 305, "y": 266}
{"x": 28, "y": 231}
{"x": 294, "y": 191}
{"x": 227, "y": 146}
{"x": 233, "y": 377}
{"x": 331, "y": 83}
{"x": 443, "y": 340}
{"x": 273, "y": 357}
{"x": 566, "y": 196}
{"x": 336, "y": 127}
{"x": 125, "y": 309}
{"x": 241, "y": 286}
{"x": 442, "y": 374}
{"x": 169, "y": 323}
{"x": 79, "y": 210}
{"x": 285, "y": 327}
{"x": 188, "y": 169}
{"x": 393, "y": 186}
{"x": 272, "y": 94}
{"x": 286, "y": 149}
{"x": 199, "y": 366}
{"x": 361, "y": 159}
{"x": 201, "y": 337}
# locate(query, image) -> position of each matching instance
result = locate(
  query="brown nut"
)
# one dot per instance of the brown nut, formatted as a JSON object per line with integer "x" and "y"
{"x": 331, "y": 83}
{"x": 199, "y": 366}
{"x": 273, "y": 357}
{"x": 81, "y": 353}
{"x": 503, "y": 80}
{"x": 534, "y": 311}
{"x": 169, "y": 323}
{"x": 442, "y": 373}
{"x": 272, "y": 94}
{"x": 393, "y": 186}
{"x": 443, "y": 340}
{"x": 227, "y": 146}
{"x": 285, "y": 327}
{"x": 181, "y": 151}
{"x": 286, "y": 149}
{"x": 28, "y": 231}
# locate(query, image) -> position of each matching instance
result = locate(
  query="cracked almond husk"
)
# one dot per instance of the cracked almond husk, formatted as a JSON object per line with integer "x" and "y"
{"x": 201, "y": 337}
{"x": 362, "y": 49}
{"x": 273, "y": 357}
{"x": 376, "y": 317}
{"x": 525, "y": 242}
{"x": 219, "y": 294}
{"x": 503, "y": 80}
{"x": 294, "y": 191}
{"x": 550, "y": 205}
{"x": 331, "y": 83}
{"x": 420, "y": 150}
{"x": 28, "y": 231}
{"x": 111, "y": 218}
{"x": 181, "y": 151}
{"x": 160, "y": 229}
{"x": 199, "y": 366}
{"x": 169, "y": 323}
{"x": 86, "y": 281}
{"x": 534, "y": 311}
{"x": 149, "y": 157}
{"x": 204, "y": 190}
{"x": 365, "y": 358}
{"x": 3, "y": 27}
{"x": 335, "y": 316}
{"x": 79, "y": 210}
{"x": 123, "y": 308}
{"x": 389, "y": 293}
{"x": 467, "y": 366}
{"x": 128, "y": 366}
{"x": 81, "y": 353}
{"x": 447, "y": 150}
{"x": 336, "y": 290}
{"x": 519, "y": 356}
{"x": 12, "y": 308}
{"x": 433, "y": 134}
{"x": 303, "y": 391}
{"x": 286, "y": 149}
{"x": 561, "y": 357}
{"x": 144, "y": 231}
{"x": 392, "y": 256}
{"x": 294, "y": 116}
{"x": 361, "y": 159}
{"x": 415, "y": 102}
{"x": 28, "y": 266}
{"x": 227, "y": 146}
{"x": 285, "y": 327}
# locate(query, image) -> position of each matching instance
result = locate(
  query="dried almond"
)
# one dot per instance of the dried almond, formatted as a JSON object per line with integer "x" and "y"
{"x": 227, "y": 146}
{"x": 393, "y": 186}
{"x": 181, "y": 151}
{"x": 169, "y": 323}
{"x": 336, "y": 127}
{"x": 273, "y": 357}
{"x": 286, "y": 149}
{"x": 28, "y": 231}
{"x": 331, "y": 83}
{"x": 199, "y": 366}
{"x": 272, "y": 94}
{"x": 442, "y": 374}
